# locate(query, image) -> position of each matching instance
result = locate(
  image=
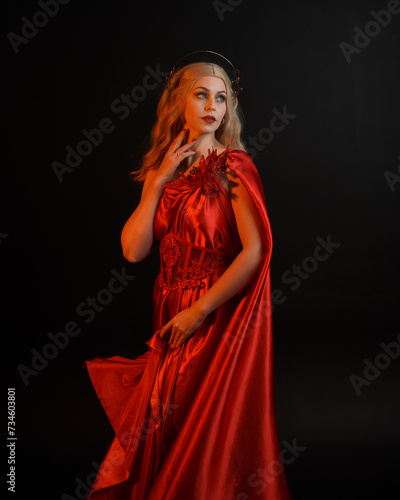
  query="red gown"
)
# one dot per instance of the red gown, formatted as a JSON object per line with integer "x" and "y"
{"x": 197, "y": 422}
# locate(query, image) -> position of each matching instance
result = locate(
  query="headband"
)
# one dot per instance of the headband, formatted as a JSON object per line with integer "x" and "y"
{"x": 175, "y": 71}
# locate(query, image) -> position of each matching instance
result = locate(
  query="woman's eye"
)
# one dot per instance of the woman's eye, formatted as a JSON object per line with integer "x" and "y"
{"x": 203, "y": 95}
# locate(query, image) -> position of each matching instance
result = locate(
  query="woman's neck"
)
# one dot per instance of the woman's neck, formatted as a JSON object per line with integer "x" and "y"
{"x": 205, "y": 143}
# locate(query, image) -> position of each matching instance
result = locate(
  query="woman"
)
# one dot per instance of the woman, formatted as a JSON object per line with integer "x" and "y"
{"x": 194, "y": 416}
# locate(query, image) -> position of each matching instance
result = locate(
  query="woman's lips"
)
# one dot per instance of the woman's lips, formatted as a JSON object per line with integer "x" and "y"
{"x": 209, "y": 119}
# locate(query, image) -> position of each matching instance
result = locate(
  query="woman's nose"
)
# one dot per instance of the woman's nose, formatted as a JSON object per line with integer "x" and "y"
{"x": 210, "y": 105}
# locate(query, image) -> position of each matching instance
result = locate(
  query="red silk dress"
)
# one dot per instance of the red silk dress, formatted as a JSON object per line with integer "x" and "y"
{"x": 197, "y": 422}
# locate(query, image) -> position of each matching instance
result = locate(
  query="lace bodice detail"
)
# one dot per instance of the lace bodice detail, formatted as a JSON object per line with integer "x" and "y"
{"x": 185, "y": 266}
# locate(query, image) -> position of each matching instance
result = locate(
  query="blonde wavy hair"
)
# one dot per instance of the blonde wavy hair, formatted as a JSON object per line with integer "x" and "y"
{"x": 171, "y": 110}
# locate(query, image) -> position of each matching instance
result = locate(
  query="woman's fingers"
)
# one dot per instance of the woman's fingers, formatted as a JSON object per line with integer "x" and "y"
{"x": 176, "y": 146}
{"x": 176, "y": 336}
{"x": 178, "y": 140}
{"x": 174, "y": 157}
{"x": 186, "y": 154}
{"x": 164, "y": 333}
{"x": 185, "y": 148}
{"x": 176, "y": 341}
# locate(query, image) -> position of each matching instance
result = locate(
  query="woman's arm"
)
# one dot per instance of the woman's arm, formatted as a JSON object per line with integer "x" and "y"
{"x": 237, "y": 275}
{"x": 137, "y": 234}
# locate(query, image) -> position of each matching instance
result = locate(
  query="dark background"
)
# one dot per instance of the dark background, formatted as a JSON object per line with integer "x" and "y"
{"x": 324, "y": 174}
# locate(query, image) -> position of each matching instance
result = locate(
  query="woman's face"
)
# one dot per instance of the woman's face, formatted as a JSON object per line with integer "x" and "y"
{"x": 206, "y": 105}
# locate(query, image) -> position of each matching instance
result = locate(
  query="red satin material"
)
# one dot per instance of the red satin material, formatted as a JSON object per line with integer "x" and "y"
{"x": 197, "y": 422}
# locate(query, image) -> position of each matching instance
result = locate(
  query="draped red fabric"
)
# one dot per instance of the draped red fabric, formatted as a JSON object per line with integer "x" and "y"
{"x": 197, "y": 422}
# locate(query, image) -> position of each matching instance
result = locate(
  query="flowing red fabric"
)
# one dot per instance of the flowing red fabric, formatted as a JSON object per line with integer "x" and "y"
{"x": 197, "y": 422}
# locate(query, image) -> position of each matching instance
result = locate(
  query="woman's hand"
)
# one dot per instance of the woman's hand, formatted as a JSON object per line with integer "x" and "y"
{"x": 182, "y": 326}
{"x": 174, "y": 156}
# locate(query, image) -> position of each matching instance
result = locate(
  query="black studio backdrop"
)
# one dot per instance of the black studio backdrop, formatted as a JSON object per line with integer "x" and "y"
{"x": 321, "y": 104}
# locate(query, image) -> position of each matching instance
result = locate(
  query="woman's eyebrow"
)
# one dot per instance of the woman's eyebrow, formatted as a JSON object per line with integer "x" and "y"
{"x": 208, "y": 90}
